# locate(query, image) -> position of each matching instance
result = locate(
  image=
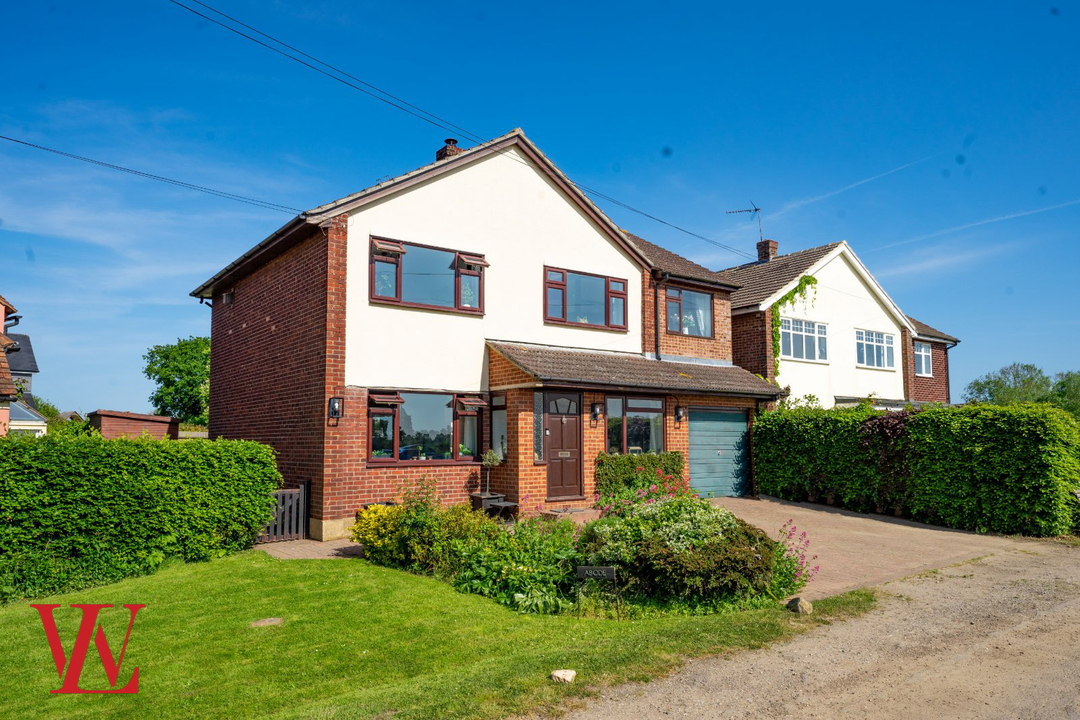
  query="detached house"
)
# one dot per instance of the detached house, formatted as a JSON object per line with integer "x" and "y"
{"x": 841, "y": 339}
{"x": 481, "y": 301}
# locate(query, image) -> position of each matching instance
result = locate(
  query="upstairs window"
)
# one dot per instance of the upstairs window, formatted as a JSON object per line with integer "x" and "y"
{"x": 689, "y": 313}
{"x": 582, "y": 299}
{"x": 874, "y": 349}
{"x": 427, "y": 277}
{"x": 923, "y": 357}
{"x": 803, "y": 340}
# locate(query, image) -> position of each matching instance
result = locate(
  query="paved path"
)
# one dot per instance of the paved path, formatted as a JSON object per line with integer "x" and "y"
{"x": 312, "y": 549}
{"x": 856, "y": 550}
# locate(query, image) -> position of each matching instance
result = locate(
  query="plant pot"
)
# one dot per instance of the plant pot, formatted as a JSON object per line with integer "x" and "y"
{"x": 483, "y": 500}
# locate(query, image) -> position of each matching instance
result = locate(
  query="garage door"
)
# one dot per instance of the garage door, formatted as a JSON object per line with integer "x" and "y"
{"x": 719, "y": 452}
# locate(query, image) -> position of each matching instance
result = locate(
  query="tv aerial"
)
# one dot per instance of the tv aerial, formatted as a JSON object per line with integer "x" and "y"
{"x": 753, "y": 209}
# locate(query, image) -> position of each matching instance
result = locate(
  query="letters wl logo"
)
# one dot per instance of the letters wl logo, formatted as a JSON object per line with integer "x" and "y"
{"x": 75, "y": 663}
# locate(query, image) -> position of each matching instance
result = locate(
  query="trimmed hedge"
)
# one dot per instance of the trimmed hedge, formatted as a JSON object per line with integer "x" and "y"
{"x": 619, "y": 472}
{"x": 82, "y": 511}
{"x": 1007, "y": 469}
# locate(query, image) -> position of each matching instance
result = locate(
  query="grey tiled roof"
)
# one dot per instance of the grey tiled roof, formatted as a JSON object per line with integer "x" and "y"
{"x": 630, "y": 370}
{"x": 22, "y": 360}
{"x": 925, "y": 330}
{"x": 758, "y": 280}
{"x": 673, "y": 263}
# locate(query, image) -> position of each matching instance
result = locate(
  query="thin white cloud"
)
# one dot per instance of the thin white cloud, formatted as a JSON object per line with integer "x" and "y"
{"x": 943, "y": 262}
{"x": 978, "y": 223}
{"x": 796, "y": 204}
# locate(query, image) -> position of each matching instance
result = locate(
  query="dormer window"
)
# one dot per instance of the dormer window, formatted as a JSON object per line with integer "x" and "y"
{"x": 423, "y": 276}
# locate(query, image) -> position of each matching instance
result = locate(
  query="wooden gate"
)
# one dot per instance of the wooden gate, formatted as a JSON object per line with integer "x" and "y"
{"x": 290, "y": 516}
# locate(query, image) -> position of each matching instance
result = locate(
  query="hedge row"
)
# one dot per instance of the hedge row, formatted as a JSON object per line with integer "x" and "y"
{"x": 83, "y": 511}
{"x": 1007, "y": 469}
{"x": 615, "y": 473}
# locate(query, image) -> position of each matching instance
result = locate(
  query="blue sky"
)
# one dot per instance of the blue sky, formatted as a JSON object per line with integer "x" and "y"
{"x": 941, "y": 141}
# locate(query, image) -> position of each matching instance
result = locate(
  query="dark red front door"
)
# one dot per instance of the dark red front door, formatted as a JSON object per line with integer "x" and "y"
{"x": 562, "y": 424}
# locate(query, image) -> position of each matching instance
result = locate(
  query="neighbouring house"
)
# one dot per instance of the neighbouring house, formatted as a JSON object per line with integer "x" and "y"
{"x": 481, "y": 301}
{"x": 8, "y": 391}
{"x": 114, "y": 424}
{"x": 26, "y": 420}
{"x": 842, "y": 339}
{"x": 70, "y": 416}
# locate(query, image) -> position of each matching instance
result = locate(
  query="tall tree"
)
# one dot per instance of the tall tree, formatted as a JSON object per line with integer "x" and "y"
{"x": 1066, "y": 392}
{"x": 1019, "y": 382}
{"x": 182, "y": 374}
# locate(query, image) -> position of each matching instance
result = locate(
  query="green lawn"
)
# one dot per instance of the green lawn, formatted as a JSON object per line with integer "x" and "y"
{"x": 358, "y": 641}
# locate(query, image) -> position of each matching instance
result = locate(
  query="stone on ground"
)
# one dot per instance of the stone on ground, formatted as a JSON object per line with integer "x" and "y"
{"x": 563, "y": 676}
{"x": 800, "y": 606}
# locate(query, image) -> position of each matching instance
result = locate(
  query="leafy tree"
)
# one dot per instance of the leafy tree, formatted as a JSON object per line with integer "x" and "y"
{"x": 1066, "y": 392}
{"x": 49, "y": 411}
{"x": 1016, "y": 383}
{"x": 182, "y": 374}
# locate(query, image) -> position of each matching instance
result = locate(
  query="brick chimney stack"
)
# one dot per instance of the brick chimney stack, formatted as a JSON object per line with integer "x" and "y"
{"x": 766, "y": 250}
{"x": 449, "y": 150}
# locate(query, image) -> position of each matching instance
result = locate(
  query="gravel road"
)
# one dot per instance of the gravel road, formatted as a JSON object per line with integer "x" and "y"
{"x": 998, "y": 637}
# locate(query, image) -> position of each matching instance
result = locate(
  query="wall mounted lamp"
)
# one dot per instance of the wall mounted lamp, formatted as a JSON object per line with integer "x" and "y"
{"x": 597, "y": 410}
{"x": 335, "y": 408}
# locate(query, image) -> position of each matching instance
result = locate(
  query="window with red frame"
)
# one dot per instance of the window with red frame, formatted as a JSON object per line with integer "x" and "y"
{"x": 424, "y": 427}
{"x": 576, "y": 298}
{"x": 422, "y": 276}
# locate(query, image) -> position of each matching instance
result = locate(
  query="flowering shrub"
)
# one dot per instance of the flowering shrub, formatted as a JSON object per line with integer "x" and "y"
{"x": 378, "y": 529}
{"x": 792, "y": 569}
{"x": 681, "y": 547}
{"x": 643, "y": 488}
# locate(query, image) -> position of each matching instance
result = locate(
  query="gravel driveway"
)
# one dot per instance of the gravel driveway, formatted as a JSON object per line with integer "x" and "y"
{"x": 994, "y": 637}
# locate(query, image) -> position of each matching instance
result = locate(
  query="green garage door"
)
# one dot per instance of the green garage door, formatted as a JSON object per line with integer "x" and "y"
{"x": 719, "y": 452}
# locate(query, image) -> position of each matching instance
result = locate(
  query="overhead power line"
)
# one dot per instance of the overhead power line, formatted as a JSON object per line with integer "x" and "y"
{"x": 394, "y": 101}
{"x": 266, "y": 205}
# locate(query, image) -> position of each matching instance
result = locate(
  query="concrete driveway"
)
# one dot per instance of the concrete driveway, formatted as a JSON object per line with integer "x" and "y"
{"x": 856, "y": 550}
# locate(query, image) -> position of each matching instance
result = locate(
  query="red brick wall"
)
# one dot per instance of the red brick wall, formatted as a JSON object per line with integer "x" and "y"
{"x": 752, "y": 347}
{"x": 907, "y": 355}
{"x": 932, "y": 389}
{"x": 268, "y": 361}
{"x": 717, "y": 347}
{"x": 114, "y": 427}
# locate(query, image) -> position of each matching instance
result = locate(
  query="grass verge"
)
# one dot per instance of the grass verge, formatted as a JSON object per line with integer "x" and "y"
{"x": 358, "y": 641}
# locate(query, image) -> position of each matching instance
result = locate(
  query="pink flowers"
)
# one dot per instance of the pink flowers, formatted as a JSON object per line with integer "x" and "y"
{"x": 796, "y": 548}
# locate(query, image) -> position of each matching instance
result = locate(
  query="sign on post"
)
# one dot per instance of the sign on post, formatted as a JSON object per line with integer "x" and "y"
{"x": 598, "y": 572}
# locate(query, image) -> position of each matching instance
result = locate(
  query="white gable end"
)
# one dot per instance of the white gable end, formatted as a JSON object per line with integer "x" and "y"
{"x": 846, "y": 300}
{"x": 501, "y": 206}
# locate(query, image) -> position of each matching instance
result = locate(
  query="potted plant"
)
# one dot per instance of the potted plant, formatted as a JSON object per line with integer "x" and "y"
{"x": 481, "y": 500}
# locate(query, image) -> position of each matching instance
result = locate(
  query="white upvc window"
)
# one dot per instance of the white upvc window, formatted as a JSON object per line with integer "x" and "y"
{"x": 923, "y": 357}
{"x": 874, "y": 349}
{"x": 803, "y": 340}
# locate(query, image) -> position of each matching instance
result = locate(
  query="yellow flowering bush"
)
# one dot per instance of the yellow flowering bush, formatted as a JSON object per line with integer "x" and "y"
{"x": 379, "y": 529}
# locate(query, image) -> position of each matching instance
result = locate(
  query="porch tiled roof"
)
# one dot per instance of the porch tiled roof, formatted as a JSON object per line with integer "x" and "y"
{"x": 630, "y": 370}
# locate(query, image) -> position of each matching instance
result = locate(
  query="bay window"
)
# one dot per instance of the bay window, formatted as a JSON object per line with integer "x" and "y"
{"x": 424, "y": 427}
{"x": 689, "y": 313}
{"x": 874, "y": 349}
{"x": 923, "y": 357}
{"x": 634, "y": 425}
{"x": 577, "y": 298}
{"x": 426, "y": 277}
{"x": 803, "y": 340}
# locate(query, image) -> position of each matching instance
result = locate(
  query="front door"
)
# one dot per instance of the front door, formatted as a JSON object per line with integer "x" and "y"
{"x": 562, "y": 439}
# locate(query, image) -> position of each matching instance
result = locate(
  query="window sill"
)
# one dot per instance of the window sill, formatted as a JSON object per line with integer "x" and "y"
{"x": 923, "y": 376}
{"x": 418, "y": 306}
{"x": 564, "y": 498}
{"x": 585, "y": 326}
{"x": 871, "y": 367}
{"x": 784, "y": 358}
{"x": 420, "y": 463}
{"x": 688, "y": 335}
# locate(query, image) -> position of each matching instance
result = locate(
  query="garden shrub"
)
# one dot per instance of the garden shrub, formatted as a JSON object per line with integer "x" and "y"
{"x": 617, "y": 473}
{"x": 644, "y": 487}
{"x": 1007, "y": 469}
{"x": 378, "y": 529}
{"x": 78, "y": 511}
{"x": 684, "y": 548}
